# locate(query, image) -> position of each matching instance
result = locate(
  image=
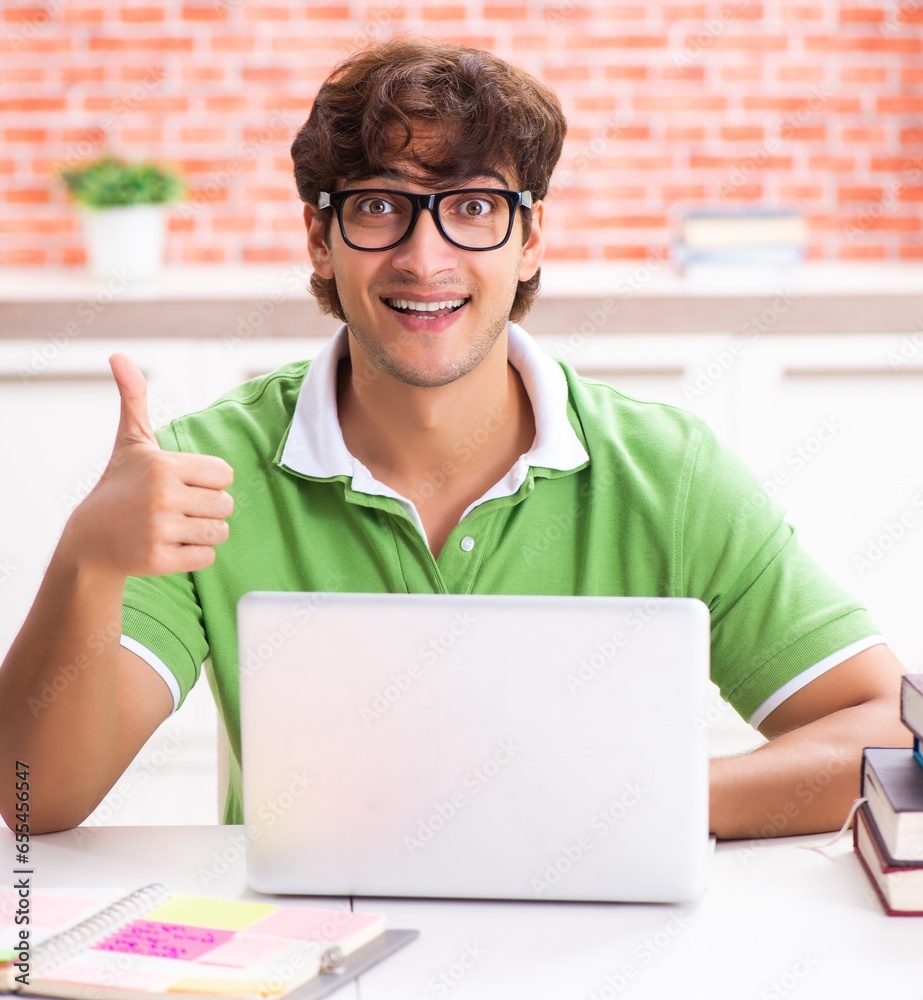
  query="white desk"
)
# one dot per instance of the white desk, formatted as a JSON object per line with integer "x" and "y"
{"x": 777, "y": 921}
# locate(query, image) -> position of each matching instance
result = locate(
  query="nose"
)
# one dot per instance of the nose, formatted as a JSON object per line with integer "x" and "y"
{"x": 425, "y": 252}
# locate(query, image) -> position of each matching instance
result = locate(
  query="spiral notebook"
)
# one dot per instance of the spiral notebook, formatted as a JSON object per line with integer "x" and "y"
{"x": 153, "y": 942}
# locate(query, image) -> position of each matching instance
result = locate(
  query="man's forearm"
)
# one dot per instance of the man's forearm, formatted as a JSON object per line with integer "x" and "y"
{"x": 803, "y": 781}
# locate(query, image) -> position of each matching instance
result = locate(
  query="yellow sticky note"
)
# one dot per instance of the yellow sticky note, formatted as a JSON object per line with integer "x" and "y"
{"x": 204, "y": 911}
{"x": 223, "y": 987}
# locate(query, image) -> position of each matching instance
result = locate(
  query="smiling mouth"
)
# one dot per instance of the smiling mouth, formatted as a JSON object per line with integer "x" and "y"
{"x": 425, "y": 310}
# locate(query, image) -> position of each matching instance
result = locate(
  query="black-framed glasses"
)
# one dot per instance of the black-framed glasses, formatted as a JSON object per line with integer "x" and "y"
{"x": 469, "y": 218}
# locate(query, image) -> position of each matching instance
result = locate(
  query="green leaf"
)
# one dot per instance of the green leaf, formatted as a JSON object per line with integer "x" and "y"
{"x": 110, "y": 181}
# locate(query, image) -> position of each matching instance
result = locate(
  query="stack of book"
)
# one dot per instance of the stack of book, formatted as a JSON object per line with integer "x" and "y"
{"x": 888, "y": 833}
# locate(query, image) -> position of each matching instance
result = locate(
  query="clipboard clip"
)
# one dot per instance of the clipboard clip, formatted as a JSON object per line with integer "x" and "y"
{"x": 332, "y": 961}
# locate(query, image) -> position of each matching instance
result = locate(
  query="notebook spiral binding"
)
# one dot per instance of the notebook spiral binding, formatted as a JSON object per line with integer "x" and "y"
{"x": 88, "y": 932}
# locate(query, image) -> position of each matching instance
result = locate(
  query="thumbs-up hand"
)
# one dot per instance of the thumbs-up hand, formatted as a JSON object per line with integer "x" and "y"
{"x": 152, "y": 511}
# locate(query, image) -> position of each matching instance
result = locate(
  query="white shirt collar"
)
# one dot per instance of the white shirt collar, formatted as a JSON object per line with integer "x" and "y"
{"x": 315, "y": 445}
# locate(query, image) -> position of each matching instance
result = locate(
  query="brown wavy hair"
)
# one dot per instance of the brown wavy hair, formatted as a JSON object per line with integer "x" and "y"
{"x": 463, "y": 109}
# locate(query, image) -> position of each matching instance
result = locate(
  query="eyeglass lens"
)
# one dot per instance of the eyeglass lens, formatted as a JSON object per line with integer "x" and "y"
{"x": 474, "y": 219}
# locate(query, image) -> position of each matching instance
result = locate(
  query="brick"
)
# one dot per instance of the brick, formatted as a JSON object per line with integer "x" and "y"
{"x": 904, "y": 105}
{"x": 27, "y": 257}
{"x": 856, "y": 251}
{"x": 82, "y": 74}
{"x": 29, "y": 104}
{"x": 749, "y": 73}
{"x": 235, "y": 224}
{"x": 683, "y": 73}
{"x": 73, "y": 256}
{"x": 202, "y": 74}
{"x": 742, "y": 133}
{"x": 910, "y": 194}
{"x": 73, "y": 14}
{"x": 331, "y": 12}
{"x": 683, "y": 12}
{"x": 791, "y": 132}
{"x": 141, "y": 15}
{"x": 232, "y": 43}
{"x": 804, "y": 12}
{"x": 22, "y": 74}
{"x": 44, "y": 44}
{"x": 270, "y": 255}
{"x": 506, "y": 12}
{"x": 622, "y": 71}
{"x": 587, "y": 43}
{"x": 865, "y": 135}
{"x": 216, "y": 136}
{"x": 801, "y": 192}
{"x": 859, "y": 192}
{"x": 266, "y": 74}
{"x": 864, "y": 74}
{"x": 679, "y": 102}
{"x": 893, "y": 164}
{"x": 265, "y": 12}
{"x": 684, "y": 133}
{"x": 683, "y": 192}
{"x": 146, "y": 135}
{"x": 914, "y": 253}
{"x": 861, "y": 15}
{"x": 212, "y": 13}
{"x": 802, "y": 74}
{"x": 741, "y": 192}
{"x": 32, "y": 136}
{"x": 911, "y": 75}
{"x": 833, "y": 164}
{"x": 596, "y": 102}
{"x": 863, "y": 43}
{"x": 750, "y": 43}
{"x": 141, "y": 43}
{"x": 203, "y": 255}
{"x": 27, "y": 196}
{"x": 633, "y": 252}
{"x": 911, "y": 136}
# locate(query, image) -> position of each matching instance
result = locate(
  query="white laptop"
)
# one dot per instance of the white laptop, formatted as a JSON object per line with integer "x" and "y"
{"x": 486, "y": 747}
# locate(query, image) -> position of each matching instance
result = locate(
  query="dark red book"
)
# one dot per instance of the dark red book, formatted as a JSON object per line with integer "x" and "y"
{"x": 899, "y": 884}
{"x": 912, "y": 703}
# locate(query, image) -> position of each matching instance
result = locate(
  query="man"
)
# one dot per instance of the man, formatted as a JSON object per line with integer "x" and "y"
{"x": 430, "y": 447}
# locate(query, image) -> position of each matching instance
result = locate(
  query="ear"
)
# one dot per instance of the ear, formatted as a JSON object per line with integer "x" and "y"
{"x": 318, "y": 248}
{"x": 533, "y": 249}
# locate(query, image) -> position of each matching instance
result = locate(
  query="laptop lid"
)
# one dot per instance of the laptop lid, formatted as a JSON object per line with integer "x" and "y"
{"x": 492, "y": 747}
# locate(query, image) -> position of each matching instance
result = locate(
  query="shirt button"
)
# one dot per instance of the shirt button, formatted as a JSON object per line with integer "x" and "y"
{"x": 467, "y": 543}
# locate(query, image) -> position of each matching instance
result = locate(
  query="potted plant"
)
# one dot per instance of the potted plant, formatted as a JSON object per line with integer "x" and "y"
{"x": 122, "y": 205}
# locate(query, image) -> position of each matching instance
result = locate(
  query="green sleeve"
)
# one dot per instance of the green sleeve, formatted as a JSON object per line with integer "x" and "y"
{"x": 775, "y": 613}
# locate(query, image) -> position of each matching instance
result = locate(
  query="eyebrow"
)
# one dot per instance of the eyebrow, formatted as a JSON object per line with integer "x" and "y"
{"x": 402, "y": 177}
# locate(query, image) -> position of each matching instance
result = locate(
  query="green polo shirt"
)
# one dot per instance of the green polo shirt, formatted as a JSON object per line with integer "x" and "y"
{"x": 661, "y": 508}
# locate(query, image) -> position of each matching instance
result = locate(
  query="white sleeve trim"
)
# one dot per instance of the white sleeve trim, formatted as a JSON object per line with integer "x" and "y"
{"x": 806, "y": 676}
{"x": 154, "y": 661}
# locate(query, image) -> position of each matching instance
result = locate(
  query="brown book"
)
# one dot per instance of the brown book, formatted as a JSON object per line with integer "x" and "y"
{"x": 899, "y": 884}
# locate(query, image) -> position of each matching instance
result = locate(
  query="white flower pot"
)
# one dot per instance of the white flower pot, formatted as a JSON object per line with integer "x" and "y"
{"x": 127, "y": 240}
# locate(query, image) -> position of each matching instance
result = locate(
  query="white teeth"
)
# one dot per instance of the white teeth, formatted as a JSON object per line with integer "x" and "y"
{"x": 424, "y": 306}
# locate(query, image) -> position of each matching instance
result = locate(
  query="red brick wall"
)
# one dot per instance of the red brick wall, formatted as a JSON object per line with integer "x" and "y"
{"x": 816, "y": 104}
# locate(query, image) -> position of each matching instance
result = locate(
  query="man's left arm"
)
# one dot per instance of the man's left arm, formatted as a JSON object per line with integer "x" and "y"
{"x": 806, "y": 777}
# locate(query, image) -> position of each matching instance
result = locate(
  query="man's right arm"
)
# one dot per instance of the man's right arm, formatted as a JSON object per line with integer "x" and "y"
{"x": 74, "y": 704}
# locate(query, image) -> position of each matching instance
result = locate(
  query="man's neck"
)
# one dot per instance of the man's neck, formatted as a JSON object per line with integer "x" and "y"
{"x": 441, "y": 447}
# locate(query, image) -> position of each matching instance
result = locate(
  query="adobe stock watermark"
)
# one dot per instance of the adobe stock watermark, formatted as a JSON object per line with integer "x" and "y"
{"x": 121, "y": 108}
{"x": 709, "y": 33}
{"x": 643, "y": 957}
{"x": 472, "y": 784}
{"x": 793, "y": 977}
{"x": 895, "y": 16}
{"x": 598, "y": 317}
{"x": 268, "y": 813}
{"x": 795, "y": 462}
{"x": 893, "y": 532}
{"x": 7, "y": 570}
{"x": 86, "y": 313}
{"x": 722, "y": 361}
{"x": 261, "y": 310}
{"x": 428, "y": 655}
{"x": 67, "y": 673}
{"x": 602, "y": 822}
{"x": 612, "y": 129}
{"x": 272, "y": 137}
{"x": 758, "y": 157}
{"x": 145, "y": 766}
{"x": 41, "y": 18}
{"x": 161, "y": 412}
{"x": 606, "y": 650}
{"x": 269, "y": 642}
{"x": 444, "y": 981}
{"x": 909, "y": 351}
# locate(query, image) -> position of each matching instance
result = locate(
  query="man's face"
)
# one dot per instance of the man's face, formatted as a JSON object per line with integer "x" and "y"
{"x": 378, "y": 290}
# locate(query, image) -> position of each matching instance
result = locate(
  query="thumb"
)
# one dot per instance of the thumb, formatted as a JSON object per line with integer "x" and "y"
{"x": 134, "y": 426}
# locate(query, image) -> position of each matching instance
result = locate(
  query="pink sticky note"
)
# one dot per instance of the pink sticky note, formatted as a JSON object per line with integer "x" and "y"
{"x": 145, "y": 937}
{"x": 86, "y": 974}
{"x": 246, "y": 950}
{"x": 50, "y": 911}
{"x": 314, "y": 925}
